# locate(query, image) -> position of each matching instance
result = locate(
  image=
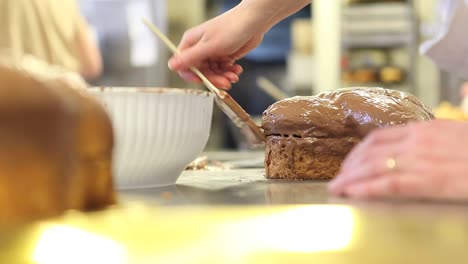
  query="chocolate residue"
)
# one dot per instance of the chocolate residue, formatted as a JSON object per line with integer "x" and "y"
{"x": 350, "y": 112}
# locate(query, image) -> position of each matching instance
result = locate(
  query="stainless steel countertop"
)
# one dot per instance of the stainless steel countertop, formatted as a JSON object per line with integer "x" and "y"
{"x": 232, "y": 187}
{"x": 237, "y": 216}
{"x": 240, "y": 186}
{"x": 248, "y": 186}
{"x": 382, "y": 231}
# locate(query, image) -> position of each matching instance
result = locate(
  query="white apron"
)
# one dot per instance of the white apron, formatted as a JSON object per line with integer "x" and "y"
{"x": 449, "y": 49}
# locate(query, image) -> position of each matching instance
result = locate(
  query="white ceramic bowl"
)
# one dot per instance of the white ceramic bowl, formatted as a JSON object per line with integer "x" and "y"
{"x": 159, "y": 131}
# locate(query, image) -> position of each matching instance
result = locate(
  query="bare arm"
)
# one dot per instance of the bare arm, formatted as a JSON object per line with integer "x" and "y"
{"x": 217, "y": 44}
{"x": 270, "y": 12}
{"x": 88, "y": 52}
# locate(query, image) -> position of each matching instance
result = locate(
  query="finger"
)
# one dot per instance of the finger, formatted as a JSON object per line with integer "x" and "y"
{"x": 393, "y": 185}
{"x": 191, "y": 57}
{"x": 190, "y": 38}
{"x": 227, "y": 59}
{"x": 230, "y": 67}
{"x": 373, "y": 153}
{"x": 382, "y": 135}
{"x": 344, "y": 179}
{"x": 189, "y": 76}
{"x": 231, "y": 76}
{"x": 227, "y": 64}
{"x": 207, "y": 68}
{"x": 241, "y": 53}
{"x": 215, "y": 67}
{"x": 379, "y": 137}
{"x": 219, "y": 81}
{"x": 204, "y": 65}
{"x": 237, "y": 69}
{"x": 373, "y": 166}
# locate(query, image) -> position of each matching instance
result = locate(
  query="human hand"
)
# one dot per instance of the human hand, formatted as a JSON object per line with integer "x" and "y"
{"x": 427, "y": 160}
{"x": 216, "y": 45}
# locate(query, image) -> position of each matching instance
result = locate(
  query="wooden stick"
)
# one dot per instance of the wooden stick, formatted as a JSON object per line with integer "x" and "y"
{"x": 174, "y": 49}
{"x": 226, "y": 99}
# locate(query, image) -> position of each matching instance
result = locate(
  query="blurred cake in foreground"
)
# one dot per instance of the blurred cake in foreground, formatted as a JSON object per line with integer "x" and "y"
{"x": 309, "y": 137}
{"x": 56, "y": 143}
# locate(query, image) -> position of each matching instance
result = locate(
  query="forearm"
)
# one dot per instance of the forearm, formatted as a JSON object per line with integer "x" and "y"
{"x": 269, "y": 12}
{"x": 88, "y": 52}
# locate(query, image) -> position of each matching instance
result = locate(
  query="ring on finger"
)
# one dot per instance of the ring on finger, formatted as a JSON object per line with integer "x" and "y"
{"x": 391, "y": 164}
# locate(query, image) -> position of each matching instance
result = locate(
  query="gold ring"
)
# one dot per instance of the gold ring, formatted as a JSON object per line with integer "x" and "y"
{"x": 391, "y": 164}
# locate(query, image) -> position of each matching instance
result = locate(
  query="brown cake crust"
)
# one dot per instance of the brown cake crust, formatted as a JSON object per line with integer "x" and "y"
{"x": 309, "y": 137}
{"x": 56, "y": 143}
{"x": 305, "y": 158}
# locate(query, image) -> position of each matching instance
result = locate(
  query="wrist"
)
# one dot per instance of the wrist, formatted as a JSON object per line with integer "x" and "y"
{"x": 267, "y": 13}
{"x": 253, "y": 16}
{"x": 261, "y": 13}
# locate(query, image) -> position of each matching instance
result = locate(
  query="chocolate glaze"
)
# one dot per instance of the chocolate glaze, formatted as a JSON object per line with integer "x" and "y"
{"x": 349, "y": 112}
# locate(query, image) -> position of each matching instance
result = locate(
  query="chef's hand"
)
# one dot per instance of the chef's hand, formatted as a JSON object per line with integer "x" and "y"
{"x": 427, "y": 160}
{"x": 215, "y": 46}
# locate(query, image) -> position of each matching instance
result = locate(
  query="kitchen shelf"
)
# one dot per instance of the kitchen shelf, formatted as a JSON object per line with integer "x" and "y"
{"x": 383, "y": 26}
{"x": 383, "y": 41}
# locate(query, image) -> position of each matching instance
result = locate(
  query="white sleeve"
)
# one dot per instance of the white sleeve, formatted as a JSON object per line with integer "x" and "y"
{"x": 449, "y": 49}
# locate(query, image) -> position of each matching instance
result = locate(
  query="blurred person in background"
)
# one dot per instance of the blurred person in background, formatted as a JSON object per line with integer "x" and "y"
{"x": 425, "y": 160}
{"x": 51, "y": 30}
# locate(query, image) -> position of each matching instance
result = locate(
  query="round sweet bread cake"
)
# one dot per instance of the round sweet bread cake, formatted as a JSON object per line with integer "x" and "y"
{"x": 55, "y": 143}
{"x": 308, "y": 137}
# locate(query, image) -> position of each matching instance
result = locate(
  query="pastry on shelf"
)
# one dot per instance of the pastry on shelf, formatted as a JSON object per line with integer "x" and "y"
{"x": 365, "y": 75}
{"x": 391, "y": 74}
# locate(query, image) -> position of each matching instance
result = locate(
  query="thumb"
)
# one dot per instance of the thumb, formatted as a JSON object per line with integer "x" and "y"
{"x": 193, "y": 56}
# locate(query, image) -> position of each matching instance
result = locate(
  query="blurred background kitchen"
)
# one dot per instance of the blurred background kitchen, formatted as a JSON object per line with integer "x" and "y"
{"x": 328, "y": 45}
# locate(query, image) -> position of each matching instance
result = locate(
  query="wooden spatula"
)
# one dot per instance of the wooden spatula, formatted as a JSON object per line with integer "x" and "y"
{"x": 227, "y": 104}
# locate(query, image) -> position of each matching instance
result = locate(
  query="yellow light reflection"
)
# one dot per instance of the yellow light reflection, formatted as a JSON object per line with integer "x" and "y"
{"x": 63, "y": 244}
{"x": 302, "y": 230}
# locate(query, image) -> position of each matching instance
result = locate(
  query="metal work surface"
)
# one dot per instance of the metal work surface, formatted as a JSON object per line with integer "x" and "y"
{"x": 237, "y": 216}
{"x": 232, "y": 187}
